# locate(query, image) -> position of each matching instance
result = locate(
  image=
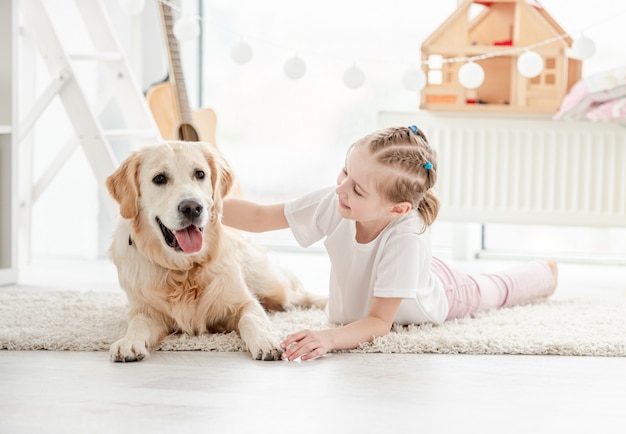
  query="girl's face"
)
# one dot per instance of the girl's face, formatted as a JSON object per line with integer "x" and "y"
{"x": 359, "y": 198}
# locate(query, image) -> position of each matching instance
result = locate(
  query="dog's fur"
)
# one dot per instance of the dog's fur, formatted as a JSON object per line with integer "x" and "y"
{"x": 181, "y": 269}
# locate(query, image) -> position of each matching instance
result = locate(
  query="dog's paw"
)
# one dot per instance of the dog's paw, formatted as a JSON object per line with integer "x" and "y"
{"x": 267, "y": 349}
{"x": 273, "y": 354}
{"x": 127, "y": 350}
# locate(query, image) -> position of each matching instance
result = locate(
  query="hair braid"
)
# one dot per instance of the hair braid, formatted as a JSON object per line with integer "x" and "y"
{"x": 407, "y": 152}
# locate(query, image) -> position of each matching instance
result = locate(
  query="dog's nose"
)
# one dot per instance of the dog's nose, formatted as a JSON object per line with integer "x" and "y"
{"x": 190, "y": 209}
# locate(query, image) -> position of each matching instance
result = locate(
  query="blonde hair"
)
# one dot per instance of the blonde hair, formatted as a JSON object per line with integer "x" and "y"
{"x": 407, "y": 152}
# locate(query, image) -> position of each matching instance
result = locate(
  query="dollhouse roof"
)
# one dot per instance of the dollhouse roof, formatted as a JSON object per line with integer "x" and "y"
{"x": 499, "y": 23}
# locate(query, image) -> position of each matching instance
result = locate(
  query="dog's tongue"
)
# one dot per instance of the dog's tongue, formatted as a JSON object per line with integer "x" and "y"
{"x": 189, "y": 239}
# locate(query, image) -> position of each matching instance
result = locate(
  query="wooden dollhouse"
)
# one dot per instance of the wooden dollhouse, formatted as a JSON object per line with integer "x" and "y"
{"x": 483, "y": 28}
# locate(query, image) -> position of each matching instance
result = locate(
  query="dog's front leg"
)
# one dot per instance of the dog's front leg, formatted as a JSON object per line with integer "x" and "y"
{"x": 256, "y": 331}
{"x": 142, "y": 333}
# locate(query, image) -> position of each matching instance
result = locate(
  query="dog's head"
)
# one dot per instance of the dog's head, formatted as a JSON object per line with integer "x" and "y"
{"x": 172, "y": 192}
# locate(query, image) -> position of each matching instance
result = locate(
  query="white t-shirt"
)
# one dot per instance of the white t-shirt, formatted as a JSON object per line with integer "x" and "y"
{"x": 395, "y": 264}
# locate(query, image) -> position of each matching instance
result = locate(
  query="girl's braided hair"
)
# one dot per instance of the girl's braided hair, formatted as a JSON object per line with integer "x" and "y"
{"x": 407, "y": 152}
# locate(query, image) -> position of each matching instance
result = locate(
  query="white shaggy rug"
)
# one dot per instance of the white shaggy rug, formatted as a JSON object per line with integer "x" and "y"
{"x": 90, "y": 321}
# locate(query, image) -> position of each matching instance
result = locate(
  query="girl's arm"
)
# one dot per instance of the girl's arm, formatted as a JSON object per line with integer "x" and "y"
{"x": 252, "y": 217}
{"x": 308, "y": 344}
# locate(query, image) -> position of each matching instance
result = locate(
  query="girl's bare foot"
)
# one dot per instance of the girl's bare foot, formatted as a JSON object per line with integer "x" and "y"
{"x": 555, "y": 273}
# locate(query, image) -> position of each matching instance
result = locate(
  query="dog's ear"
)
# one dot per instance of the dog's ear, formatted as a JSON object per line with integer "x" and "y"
{"x": 227, "y": 177}
{"x": 123, "y": 185}
{"x": 222, "y": 177}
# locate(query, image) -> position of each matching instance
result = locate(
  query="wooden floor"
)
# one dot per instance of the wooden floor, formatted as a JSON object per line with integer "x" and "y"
{"x": 193, "y": 392}
{"x": 184, "y": 392}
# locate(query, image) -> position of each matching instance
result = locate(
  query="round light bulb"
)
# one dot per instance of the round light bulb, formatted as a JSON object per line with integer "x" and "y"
{"x": 241, "y": 52}
{"x": 471, "y": 75}
{"x": 186, "y": 28}
{"x": 530, "y": 64}
{"x": 414, "y": 79}
{"x": 295, "y": 68}
{"x": 583, "y": 48}
{"x": 353, "y": 77}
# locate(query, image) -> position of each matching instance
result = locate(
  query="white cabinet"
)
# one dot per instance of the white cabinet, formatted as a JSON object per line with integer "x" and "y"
{"x": 8, "y": 142}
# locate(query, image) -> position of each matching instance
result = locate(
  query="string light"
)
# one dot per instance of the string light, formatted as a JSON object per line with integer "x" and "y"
{"x": 583, "y": 48}
{"x": 186, "y": 28}
{"x": 354, "y": 77}
{"x": 471, "y": 74}
{"x": 241, "y": 52}
{"x": 530, "y": 64}
{"x": 414, "y": 79}
{"x": 295, "y": 68}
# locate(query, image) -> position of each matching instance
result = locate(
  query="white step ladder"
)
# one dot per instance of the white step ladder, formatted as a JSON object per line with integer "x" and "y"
{"x": 119, "y": 87}
{"x": 109, "y": 91}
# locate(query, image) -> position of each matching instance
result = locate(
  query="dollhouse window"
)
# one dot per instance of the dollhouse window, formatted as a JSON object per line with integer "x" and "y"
{"x": 548, "y": 76}
{"x": 435, "y": 69}
{"x": 550, "y": 71}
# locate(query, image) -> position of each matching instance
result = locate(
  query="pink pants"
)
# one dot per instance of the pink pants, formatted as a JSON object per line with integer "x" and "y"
{"x": 469, "y": 294}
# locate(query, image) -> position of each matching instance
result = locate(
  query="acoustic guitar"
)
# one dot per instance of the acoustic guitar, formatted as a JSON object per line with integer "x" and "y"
{"x": 168, "y": 100}
{"x": 169, "y": 103}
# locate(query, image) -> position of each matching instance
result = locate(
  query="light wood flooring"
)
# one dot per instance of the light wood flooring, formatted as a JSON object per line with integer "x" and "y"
{"x": 185, "y": 392}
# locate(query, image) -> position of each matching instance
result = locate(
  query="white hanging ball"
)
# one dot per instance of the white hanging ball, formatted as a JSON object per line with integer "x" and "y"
{"x": 295, "y": 68}
{"x": 530, "y": 64}
{"x": 241, "y": 52}
{"x": 186, "y": 28}
{"x": 132, "y": 7}
{"x": 583, "y": 48}
{"x": 414, "y": 79}
{"x": 353, "y": 77}
{"x": 471, "y": 75}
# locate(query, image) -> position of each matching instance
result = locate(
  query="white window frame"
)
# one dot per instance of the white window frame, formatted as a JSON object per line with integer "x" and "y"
{"x": 8, "y": 147}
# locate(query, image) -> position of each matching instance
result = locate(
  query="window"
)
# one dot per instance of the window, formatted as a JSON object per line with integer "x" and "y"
{"x": 435, "y": 69}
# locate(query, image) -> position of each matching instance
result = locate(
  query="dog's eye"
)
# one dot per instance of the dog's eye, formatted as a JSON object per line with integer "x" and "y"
{"x": 160, "y": 179}
{"x": 200, "y": 174}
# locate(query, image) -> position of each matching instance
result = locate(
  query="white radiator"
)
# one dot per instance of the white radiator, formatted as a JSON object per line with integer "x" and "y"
{"x": 512, "y": 169}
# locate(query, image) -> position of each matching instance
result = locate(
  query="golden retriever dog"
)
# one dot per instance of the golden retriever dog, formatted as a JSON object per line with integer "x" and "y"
{"x": 181, "y": 269}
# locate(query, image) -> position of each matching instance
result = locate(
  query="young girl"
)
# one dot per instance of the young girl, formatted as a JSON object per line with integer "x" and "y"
{"x": 376, "y": 228}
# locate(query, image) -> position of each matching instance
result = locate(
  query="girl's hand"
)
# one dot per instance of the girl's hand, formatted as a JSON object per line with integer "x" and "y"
{"x": 309, "y": 344}
{"x": 306, "y": 344}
